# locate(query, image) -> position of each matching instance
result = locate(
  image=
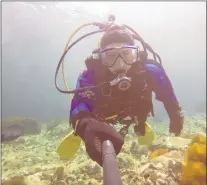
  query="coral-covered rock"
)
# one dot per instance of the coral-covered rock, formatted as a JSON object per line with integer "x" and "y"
{"x": 172, "y": 143}
{"x": 158, "y": 152}
{"x": 164, "y": 169}
{"x": 194, "y": 168}
{"x": 17, "y": 180}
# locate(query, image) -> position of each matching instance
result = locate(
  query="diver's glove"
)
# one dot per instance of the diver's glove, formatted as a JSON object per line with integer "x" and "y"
{"x": 176, "y": 118}
{"x": 176, "y": 126}
{"x": 94, "y": 133}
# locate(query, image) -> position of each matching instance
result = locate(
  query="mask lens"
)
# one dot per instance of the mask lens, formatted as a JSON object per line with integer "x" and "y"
{"x": 128, "y": 55}
{"x": 108, "y": 56}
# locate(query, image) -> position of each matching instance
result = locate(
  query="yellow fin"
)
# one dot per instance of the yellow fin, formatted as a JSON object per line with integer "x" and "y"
{"x": 149, "y": 136}
{"x": 69, "y": 146}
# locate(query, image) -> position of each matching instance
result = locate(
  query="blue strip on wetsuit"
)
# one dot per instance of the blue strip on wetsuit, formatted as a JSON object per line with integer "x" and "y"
{"x": 82, "y": 81}
{"x": 80, "y": 107}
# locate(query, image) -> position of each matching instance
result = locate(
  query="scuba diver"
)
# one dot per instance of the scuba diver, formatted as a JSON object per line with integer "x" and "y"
{"x": 116, "y": 88}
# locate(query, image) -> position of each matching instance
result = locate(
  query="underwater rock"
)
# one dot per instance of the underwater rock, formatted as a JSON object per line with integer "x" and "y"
{"x": 70, "y": 178}
{"x": 49, "y": 176}
{"x": 134, "y": 148}
{"x": 57, "y": 129}
{"x": 17, "y": 180}
{"x": 143, "y": 168}
{"x": 11, "y": 132}
{"x": 30, "y": 126}
{"x": 172, "y": 182}
{"x": 37, "y": 169}
{"x": 91, "y": 182}
{"x": 172, "y": 143}
{"x": 158, "y": 152}
{"x": 88, "y": 168}
{"x": 34, "y": 180}
{"x": 61, "y": 182}
{"x": 191, "y": 135}
{"x": 19, "y": 141}
{"x": 45, "y": 176}
{"x": 53, "y": 124}
{"x": 173, "y": 159}
{"x": 143, "y": 150}
{"x": 126, "y": 161}
{"x": 162, "y": 170}
{"x": 59, "y": 174}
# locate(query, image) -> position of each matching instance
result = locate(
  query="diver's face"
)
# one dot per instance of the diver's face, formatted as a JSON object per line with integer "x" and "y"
{"x": 118, "y": 61}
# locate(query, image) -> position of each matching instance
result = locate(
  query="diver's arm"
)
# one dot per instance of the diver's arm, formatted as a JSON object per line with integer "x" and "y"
{"x": 164, "y": 92}
{"x": 80, "y": 106}
{"x": 92, "y": 131}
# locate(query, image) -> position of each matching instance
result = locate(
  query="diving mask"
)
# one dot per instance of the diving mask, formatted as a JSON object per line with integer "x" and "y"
{"x": 119, "y": 59}
{"x": 127, "y": 53}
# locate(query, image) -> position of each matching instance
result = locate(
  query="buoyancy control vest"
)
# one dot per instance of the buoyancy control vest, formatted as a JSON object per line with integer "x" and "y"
{"x": 136, "y": 101}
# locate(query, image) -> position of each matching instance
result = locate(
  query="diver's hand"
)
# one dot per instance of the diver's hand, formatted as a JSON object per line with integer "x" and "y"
{"x": 93, "y": 133}
{"x": 176, "y": 126}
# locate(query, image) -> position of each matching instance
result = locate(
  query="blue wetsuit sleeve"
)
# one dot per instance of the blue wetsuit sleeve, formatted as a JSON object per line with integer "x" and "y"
{"x": 81, "y": 106}
{"x": 163, "y": 90}
{"x": 161, "y": 84}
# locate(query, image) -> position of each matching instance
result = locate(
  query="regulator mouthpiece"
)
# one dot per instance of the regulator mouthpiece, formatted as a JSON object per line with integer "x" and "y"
{"x": 122, "y": 82}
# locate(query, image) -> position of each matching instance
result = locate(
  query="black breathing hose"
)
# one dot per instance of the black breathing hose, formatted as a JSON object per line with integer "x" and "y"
{"x": 144, "y": 44}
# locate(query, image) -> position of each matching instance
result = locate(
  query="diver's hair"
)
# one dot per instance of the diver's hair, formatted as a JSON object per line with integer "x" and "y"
{"x": 114, "y": 34}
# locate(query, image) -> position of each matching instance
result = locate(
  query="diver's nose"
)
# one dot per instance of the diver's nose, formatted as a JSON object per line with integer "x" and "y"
{"x": 120, "y": 63}
{"x": 120, "y": 66}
